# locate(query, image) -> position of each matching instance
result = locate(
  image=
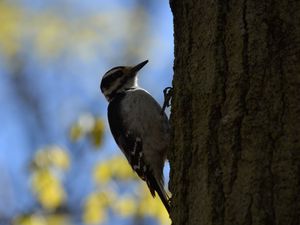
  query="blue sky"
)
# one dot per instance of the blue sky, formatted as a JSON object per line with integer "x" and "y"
{"x": 38, "y": 107}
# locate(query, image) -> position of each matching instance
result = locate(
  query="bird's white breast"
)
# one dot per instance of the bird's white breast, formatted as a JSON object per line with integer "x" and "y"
{"x": 142, "y": 115}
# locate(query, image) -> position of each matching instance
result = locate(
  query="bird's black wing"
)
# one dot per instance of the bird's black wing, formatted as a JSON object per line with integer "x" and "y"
{"x": 132, "y": 146}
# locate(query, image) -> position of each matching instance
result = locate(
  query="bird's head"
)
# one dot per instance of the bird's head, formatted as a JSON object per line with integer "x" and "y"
{"x": 119, "y": 79}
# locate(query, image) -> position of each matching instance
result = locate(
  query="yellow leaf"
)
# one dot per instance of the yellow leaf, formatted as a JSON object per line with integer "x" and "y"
{"x": 116, "y": 167}
{"x": 92, "y": 201}
{"x": 94, "y": 216}
{"x": 97, "y": 132}
{"x": 52, "y": 197}
{"x": 57, "y": 219}
{"x": 106, "y": 198}
{"x": 48, "y": 189}
{"x": 41, "y": 179}
{"x": 41, "y": 159}
{"x": 52, "y": 156}
{"x": 36, "y": 219}
{"x": 94, "y": 210}
{"x": 10, "y": 29}
{"x": 121, "y": 169}
{"x": 126, "y": 206}
{"x": 30, "y": 220}
{"x": 102, "y": 173}
{"x": 59, "y": 157}
{"x": 153, "y": 207}
{"x": 76, "y": 132}
{"x": 163, "y": 216}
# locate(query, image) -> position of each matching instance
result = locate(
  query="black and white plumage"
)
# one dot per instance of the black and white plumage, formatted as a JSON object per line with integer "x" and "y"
{"x": 138, "y": 125}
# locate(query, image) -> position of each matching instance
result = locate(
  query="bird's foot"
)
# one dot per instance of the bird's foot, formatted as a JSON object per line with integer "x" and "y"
{"x": 168, "y": 94}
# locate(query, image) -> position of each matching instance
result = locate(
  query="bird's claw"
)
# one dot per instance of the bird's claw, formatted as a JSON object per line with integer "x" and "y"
{"x": 168, "y": 93}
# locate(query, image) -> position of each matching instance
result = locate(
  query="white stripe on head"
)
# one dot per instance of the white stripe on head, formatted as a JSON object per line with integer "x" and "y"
{"x": 117, "y": 80}
{"x": 111, "y": 71}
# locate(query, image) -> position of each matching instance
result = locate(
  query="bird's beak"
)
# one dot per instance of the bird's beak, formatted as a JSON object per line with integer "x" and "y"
{"x": 139, "y": 66}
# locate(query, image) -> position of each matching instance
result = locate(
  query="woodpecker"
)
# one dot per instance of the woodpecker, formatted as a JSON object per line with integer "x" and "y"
{"x": 139, "y": 126}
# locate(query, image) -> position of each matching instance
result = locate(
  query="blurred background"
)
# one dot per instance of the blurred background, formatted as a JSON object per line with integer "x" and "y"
{"x": 58, "y": 162}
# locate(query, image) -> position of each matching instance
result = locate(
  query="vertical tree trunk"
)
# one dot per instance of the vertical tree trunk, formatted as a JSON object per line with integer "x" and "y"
{"x": 236, "y": 112}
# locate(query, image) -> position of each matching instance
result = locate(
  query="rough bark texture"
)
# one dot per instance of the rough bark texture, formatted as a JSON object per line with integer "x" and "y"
{"x": 236, "y": 112}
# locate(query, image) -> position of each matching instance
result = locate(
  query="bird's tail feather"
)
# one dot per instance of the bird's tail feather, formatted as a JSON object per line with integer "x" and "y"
{"x": 157, "y": 186}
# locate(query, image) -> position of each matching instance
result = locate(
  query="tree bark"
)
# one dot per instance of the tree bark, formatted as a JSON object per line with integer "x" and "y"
{"x": 235, "y": 156}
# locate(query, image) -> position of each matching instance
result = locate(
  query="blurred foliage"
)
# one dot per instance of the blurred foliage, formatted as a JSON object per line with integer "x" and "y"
{"x": 38, "y": 219}
{"x": 95, "y": 207}
{"x": 51, "y": 162}
{"x": 45, "y": 177}
{"x": 48, "y": 34}
{"x": 10, "y": 28}
{"x": 115, "y": 168}
{"x": 88, "y": 126}
{"x": 48, "y": 189}
{"x": 47, "y": 167}
{"x": 137, "y": 205}
{"x": 51, "y": 156}
{"x": 152, "y": 207}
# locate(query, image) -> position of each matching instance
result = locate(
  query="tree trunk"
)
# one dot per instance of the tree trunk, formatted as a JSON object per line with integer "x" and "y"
{"x": 235, "y": 157}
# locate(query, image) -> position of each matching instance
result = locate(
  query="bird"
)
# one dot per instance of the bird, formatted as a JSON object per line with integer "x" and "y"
{"x": 139, "y": 126}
